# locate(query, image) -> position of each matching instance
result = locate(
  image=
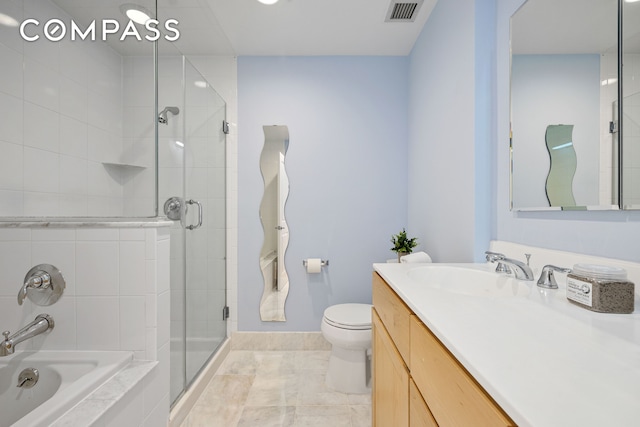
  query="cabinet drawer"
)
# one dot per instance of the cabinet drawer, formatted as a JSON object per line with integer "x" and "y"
{"x": 419, "y": 414}
{"x": 390, "y": 396}
{"x": 454, "y": 397}
{"x": 394, "y": 314}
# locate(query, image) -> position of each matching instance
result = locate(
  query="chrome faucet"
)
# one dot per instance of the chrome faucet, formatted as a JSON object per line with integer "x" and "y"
{"x": 520, "y": 270}
{"x": 42, "y": 324}
{"x": 547, "y": 280}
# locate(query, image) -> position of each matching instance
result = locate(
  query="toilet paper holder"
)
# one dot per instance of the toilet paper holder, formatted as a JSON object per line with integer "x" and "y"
{"x": 323, "y": 263}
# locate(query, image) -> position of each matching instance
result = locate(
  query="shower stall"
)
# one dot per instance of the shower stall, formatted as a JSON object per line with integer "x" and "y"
{"x": 122, "y": 126}
{"x": 192, "y": 191}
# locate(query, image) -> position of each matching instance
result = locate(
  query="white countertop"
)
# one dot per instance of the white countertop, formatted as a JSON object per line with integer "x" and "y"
{"x": 545, "y": 361}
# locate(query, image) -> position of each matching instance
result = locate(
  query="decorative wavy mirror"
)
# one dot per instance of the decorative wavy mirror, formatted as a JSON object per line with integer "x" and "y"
{"x": 274, "y": 223}
{"x": 562, "y": 156}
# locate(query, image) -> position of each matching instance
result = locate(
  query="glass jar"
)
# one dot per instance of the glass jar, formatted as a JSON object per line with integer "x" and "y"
{"x": 600, "y": 288}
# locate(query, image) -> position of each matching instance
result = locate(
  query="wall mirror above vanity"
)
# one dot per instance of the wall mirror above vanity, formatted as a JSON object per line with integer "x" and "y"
{"x": 274, "y": 223}
{"x": 572, "y": 141}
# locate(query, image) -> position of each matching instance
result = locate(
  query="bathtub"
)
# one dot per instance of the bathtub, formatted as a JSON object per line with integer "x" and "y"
{"x": 66, "y": 377}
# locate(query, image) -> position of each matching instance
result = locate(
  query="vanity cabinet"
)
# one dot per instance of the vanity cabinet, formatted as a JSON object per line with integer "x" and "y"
{"x": 417, "y": 382}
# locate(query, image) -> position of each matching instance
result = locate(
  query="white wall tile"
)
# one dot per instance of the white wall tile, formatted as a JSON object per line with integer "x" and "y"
{"x": 132, "y": 323}
{"x": 73, "y": 137}
{"x": 132, "y": 234}
{"x": 11, "y": 117}
{"x": 73, "y": 205}
{"x": 132, "y": 268}
{"x": 15, "y": 234}
{"x": 41, "y": 128}
{"x": 11, "y": 71}
{"x": 53, "y": 234}
{"x": 73, "y": 99}
{"x": 97, "y": 271}
{"x": 40, "y": 204}
{"x": 98, "y": 323}
{"x": 164, "y": 304}
{"x": 15, "y": 261}
{"x": 97, "y": 234}
{"x": 41, "y": 84}
{"x": 41, "y": 170}
{"x": 11, "y": 163}
{"x": 73, "y": 175}
{"x": 163, "y": 267}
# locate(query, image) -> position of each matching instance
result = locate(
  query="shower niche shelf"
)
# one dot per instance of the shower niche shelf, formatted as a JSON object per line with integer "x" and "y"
{"x": 124, "y": 165}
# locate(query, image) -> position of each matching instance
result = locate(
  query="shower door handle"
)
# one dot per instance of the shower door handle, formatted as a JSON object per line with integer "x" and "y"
{"x": 195, "y": 202}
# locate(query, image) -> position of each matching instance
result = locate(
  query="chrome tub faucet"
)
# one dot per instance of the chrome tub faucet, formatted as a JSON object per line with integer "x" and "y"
{"x": 40, "y": 325}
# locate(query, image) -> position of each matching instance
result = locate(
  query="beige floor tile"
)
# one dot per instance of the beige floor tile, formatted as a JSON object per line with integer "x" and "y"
{"x": 241, "y": 362}
{"x": 314, "y": 391}
{"x": 267, "y": 416}
{"x": 277, "y": 388}
{"x": 274, "y": 390}
{"x": 323, "y": 416}
{"x": 360, "y": 415}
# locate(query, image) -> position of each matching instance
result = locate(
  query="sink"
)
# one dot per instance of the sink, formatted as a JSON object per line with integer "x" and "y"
{"x": 471, "y": 279}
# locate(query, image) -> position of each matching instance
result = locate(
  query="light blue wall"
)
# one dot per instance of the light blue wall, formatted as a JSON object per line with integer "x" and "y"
{"x": 608, "y": 234}
{"x": 347, "y": 162}
{"x": 451, "y": 81}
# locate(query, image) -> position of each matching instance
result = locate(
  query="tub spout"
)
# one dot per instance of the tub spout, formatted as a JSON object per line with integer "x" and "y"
{"x": 40, "y": 325}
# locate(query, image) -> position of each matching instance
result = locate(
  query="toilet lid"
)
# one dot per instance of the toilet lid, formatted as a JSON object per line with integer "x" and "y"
{"x": 349, "y": 316}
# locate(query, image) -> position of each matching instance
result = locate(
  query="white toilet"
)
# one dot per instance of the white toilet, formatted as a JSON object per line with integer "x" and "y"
{"x": 348, "y": 328}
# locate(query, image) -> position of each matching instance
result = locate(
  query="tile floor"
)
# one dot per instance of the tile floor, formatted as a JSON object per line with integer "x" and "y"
{"x": 276, "y": 388}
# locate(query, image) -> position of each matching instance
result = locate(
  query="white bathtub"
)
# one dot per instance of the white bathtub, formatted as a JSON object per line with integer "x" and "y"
{"x": 66, "y": 377}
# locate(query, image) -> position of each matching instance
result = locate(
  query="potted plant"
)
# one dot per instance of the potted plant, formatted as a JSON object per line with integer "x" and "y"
{"x": 402, "y": 244}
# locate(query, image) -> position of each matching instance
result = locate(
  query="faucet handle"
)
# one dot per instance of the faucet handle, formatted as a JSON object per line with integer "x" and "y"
{"x": 6, "y": 335}
{"x": 493, "y": 256}
{"x": 43, "y": 285}
{"x": 547, "y": 280}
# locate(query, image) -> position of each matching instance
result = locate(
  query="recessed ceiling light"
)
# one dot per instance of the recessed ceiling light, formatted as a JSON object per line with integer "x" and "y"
{"x": 8, "y": 21}
{"x": 136, "y": 13}
{"x": 268, "y": 1}
{"x": 631, "y": 1}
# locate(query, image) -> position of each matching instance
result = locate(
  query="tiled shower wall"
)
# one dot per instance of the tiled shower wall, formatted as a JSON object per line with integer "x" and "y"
{"x": 62, "y": 109}
{"x": 116, "y": 296}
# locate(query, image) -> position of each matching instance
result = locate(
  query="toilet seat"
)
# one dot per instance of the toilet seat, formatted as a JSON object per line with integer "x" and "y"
{"x": 355, "y": 317}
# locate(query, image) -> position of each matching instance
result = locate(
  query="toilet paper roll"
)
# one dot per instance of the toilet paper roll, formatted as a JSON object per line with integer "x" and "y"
{"x": 314, "y": 265}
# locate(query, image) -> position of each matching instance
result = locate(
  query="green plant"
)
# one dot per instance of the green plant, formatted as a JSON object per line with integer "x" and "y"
{"x": 403, "y": 244}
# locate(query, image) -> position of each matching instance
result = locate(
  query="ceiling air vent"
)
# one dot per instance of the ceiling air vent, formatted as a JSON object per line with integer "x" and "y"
{"x": 403, "y": 11}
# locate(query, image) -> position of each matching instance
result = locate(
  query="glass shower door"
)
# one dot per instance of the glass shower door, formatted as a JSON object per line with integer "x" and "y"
{"x": 193, "y": 178}
{"x": 205, "y": 243}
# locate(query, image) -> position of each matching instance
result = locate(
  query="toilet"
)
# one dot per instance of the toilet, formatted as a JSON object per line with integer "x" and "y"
{"x": 348, "y": 328}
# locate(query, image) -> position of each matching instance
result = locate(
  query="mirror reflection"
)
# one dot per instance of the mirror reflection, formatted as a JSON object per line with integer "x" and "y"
{"x": 631, "y": 106}
{"x": 274, "y": 223}
{"x": 564, "y": 74}
{"x": 563, "y": 160}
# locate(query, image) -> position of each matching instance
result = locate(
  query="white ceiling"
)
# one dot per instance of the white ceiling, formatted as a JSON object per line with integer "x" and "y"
{"x": 355, "y": 27}
{"x": 316, "y": 27}
{"x": 289, "y": 27}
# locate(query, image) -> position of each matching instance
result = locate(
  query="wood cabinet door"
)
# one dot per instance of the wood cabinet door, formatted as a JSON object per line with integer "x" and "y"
{"x": 390, "y": 380}
{"x": 453, "y": 396}
{"x": 419, "y": 413}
